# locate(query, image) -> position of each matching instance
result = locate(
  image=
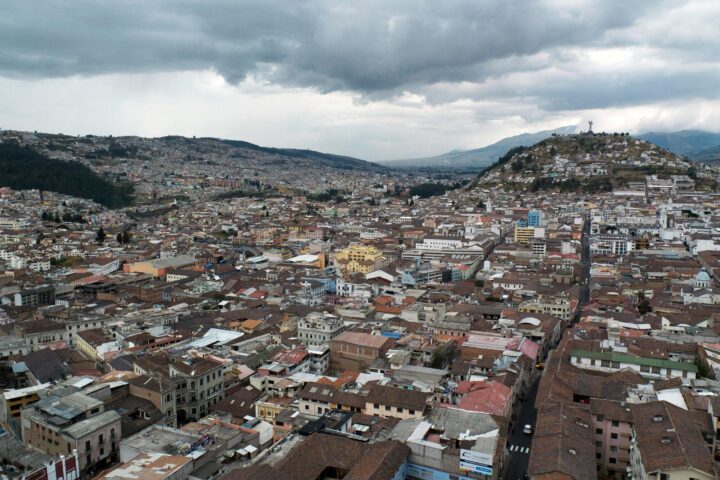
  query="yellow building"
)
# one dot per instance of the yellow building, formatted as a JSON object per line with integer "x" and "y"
{"x": 359, "y": 258}
{"x": 13, "y": 401}
{"x": 524, "y": 234}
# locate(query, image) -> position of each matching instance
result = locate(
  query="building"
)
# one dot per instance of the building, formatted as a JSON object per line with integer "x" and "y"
{"x": 39, "y": 332}
{"x": 319, "y": 328}
{"x": 359, "y": 258}
{"x": 562, "y": 446}
{"x": 453, "y": 444}
{"x": 151, "y": 466}
{"x": 534, "y": 218}
{"x": 357, "y": 351}
{"x": 333, "y": 456}
{"x": 437, "y": 248}
{"x": 159, "y": 267}
{"x": 59, "y": 425}
{"x": 160, "y": 391}
{"x": 200, "y": 385}
{"x": 96, "y": 344}
{"x": 612, "y": 427}
{"x": 13, "y": 401}
{"x": 33, "y": 297}
{"x": 526, "y": 235}
{"x": 563, "y": 308}
{"x": 667, "y": 445}
{"x": 650, "y": 368}
{"x": 611, "y": 244}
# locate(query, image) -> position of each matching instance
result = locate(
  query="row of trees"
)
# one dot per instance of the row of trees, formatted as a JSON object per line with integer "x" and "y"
{"x": 122, "y": 238}
{"x": 66, "y": 217}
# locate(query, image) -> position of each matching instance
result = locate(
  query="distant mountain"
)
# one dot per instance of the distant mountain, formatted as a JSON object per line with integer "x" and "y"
{"x": 697, "y": 145}
{"x": 707, "y": 155}
{"x": 479, "y": 157}
{"x": 23, "y": 168}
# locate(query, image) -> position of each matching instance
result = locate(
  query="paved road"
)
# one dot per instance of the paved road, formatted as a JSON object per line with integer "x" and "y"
{"x": 519, "y": 444}
{"x": 584, "y": 270}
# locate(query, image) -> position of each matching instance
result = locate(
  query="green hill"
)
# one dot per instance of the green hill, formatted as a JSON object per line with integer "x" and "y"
{"x": 587, "y": 163}
{"x": 22, "y": 168}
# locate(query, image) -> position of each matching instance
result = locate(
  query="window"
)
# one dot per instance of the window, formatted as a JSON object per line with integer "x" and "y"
{"x": 644, "y": 368}
{"x": 614, "y": 436}
{"x": 411, "y": 412}
{"x": 87, "y": 446}
{"x": 598, "y": 456}
{"x": 599, "y": 431}
{"x": 598, "y": 443}
{"x": 605, "y": 363}
{"x": 376, "y": 405}
{"x": 613, "y": 449}
{"x": 399, "y": 409}
{"x": 615, "y": 423}
{"x": 613, "y": 460}
{"x": 101, "y": 440}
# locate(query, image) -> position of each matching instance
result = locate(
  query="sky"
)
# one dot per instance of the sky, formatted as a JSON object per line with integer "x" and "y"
{"x": 377, "y": 80}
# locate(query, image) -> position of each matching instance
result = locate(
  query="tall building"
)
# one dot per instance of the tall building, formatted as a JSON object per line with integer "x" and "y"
{"x": 534, "y": 218}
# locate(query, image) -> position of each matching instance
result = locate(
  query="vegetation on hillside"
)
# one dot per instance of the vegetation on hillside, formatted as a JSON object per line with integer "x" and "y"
{"x": 22, "y": 168}
{"x": 624, "y": 159}
{"x": 427, "y": 190}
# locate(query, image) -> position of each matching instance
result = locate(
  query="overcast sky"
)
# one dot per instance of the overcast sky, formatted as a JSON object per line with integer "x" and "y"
{"x": 373, "y": 79}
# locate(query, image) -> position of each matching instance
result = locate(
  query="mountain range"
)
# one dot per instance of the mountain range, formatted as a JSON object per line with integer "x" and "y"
{"x": 697, "y": 145}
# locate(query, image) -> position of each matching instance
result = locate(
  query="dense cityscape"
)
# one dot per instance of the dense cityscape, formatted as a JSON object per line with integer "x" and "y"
{"x": 234, "y": 321}
{"x": 368, "y": 240}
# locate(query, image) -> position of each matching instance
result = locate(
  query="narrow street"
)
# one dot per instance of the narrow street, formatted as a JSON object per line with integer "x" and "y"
{"x": 585, "y": 266}
{"x": 519, "y": 444}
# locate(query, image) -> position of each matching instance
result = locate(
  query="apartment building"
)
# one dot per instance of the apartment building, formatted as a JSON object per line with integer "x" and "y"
{"x": 650, "y": 368}
{"x": 59, "y": 424}
{"x": 199, "y": 385}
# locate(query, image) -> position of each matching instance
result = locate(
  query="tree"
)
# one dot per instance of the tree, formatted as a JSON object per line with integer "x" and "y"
{"x": 443, "y": 355}
{"x": 643, "y": 303}
{"x": 126, "y": 237}
{"x": 119, "y": 238}
{"x": 44, "y": 216}
{"x": 100, "y": 235}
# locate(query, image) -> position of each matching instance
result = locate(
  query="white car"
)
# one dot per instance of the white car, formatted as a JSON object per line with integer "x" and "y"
{"x": 527, "y": 429}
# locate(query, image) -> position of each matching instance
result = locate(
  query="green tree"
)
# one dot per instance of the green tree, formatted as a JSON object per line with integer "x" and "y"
{"x": 100, "y": 235}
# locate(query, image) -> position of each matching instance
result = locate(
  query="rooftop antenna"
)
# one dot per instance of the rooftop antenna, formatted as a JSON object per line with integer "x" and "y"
{"x": 590, "y": 124}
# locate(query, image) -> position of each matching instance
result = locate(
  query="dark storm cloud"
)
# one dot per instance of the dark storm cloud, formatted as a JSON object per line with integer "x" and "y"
{"x": 359, "y": 46}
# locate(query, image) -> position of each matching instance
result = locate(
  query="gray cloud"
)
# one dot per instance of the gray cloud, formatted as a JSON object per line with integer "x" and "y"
{"x": 382, "y": 78}
{"x": 368, "y": 47}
